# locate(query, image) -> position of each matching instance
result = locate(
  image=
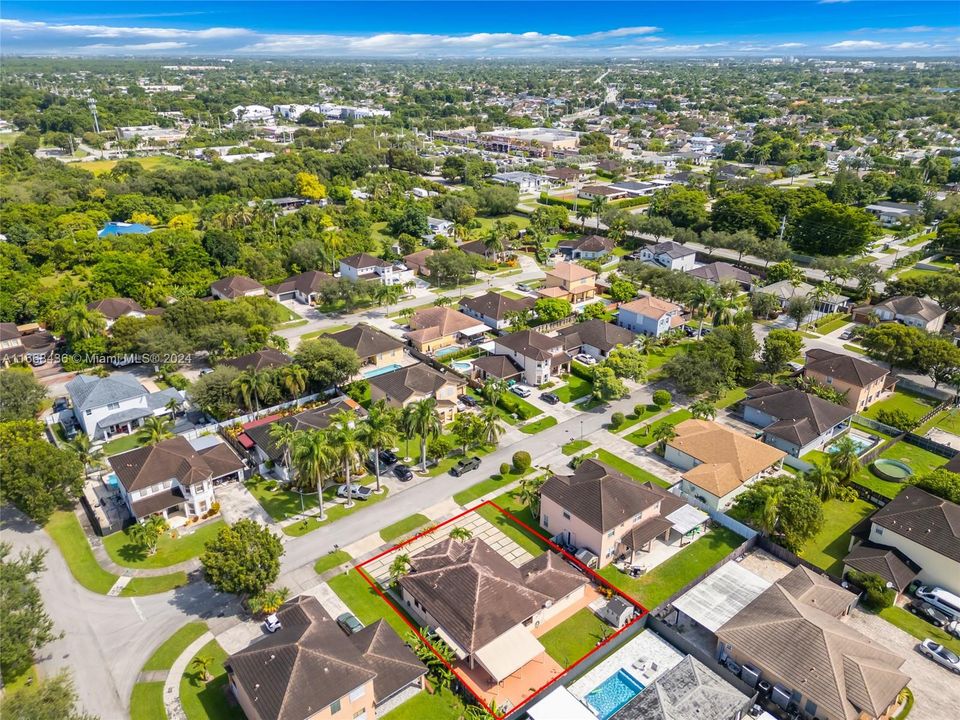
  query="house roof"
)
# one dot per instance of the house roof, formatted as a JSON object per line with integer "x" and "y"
{"x": 531, "y": 344}
{"x": 889, "y": 563}
{"x": 564, "y": 173}
{"x": 406, "y": 382}
{"x": 445, "y": 321}
{"x": 604, "y": 190}
{"x": 314, "y": 419}
{"x": 672, "y": 249}
{"x": 263, "y": 359}
{"x": 785, "y": 290}
{"x": 173, "y": 458}
{"x": 801, "y": 417}
{"x": 496, "y": 306}
{"x": 501, "y": 366}
{"x": 89, "y": 392}
{"x": 651, "y": 307}
{"x": 476, "y": 247}
{"x": 925, "y": 519}
{"x": 476, "y": 595}
{"x": 589, "y": 243}
{"x": 604, "y": 497}
{"x": 687, "y": 691}
{"x": 727, "y": 458}
{"x": 363, "y": 260}
{"x": 310, "y": 662}
{"x": 305, "y": 283}
{"x": 598, "y": 333}
{"x": 719, "y": 272}
{"x": 845, "y": 368}
{"x": 417, "y": 259}
{"x": 839, "y": 669}
{"x": 366, "y": 341}
{"x": 924, "y": 308}
{"x": 114, "y": 308}
{"x": 9, "y": 331}
{"x": 568, "y": 272}
{"x": 235, "y": 286}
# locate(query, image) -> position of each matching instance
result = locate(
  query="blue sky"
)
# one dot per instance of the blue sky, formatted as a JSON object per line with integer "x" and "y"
{"x": 460, "y": 28}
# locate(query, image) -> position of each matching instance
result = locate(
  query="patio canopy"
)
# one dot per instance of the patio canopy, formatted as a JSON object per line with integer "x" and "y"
{"x": 686, "y": 518}
{"x": 509, "y": 652}
{"x": 720, "y": 595}
{"x": 560, "y": 704}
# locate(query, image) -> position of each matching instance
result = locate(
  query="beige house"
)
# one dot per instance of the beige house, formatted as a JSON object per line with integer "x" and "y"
{"x": 922, "y": 313}
{"x": 862, "y": 383}
{"x": 569, "y": 281}
{"x": 412, "y": 383}
{"x": 610, "y": 514}
{"x": 374, "y": 347}
{"x": 719, "y": 463}
{"x": 236, "y": 286}
{"x": 434, "y": 328}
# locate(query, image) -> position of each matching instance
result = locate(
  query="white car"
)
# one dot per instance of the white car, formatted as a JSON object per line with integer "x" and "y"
{"x": 941, "y": 655}
{"x": 521, "y": 391}
{"x": 272, "y": 623}
{"x": 585, "y": 359}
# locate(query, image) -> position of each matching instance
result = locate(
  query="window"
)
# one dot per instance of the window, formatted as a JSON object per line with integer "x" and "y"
{"x": 360, "y": 714}
{"x": 879, "y": 530}
{"x": 334, "y": 707}
{"x": 610, "y": 534}
{"x": 89, "y": 412}
{"x": 113, "y": 406}
{"x": 566, "y": 515}
{"x": 357, "y": 693}
{"x": 546, "y": 521}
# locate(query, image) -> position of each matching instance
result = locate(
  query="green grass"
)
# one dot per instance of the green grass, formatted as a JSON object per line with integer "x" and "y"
{"x": 121, "y": 444}
{"x": 485, "y": 487}
{"x": 99, "y": 167}
{"x": 659, "y": 584}
{"x": 950, "y": 421}
{"x": 527, "y": 540}
{"x": 330, "y": 561}
{"x": 915, "y": 406}
{"x": 627, "y": 468}
{"x": 659, "y": 358}
{"x": 146, "y": 701}
{"x": 829, "y": 324}
{"x": 917, "y": 627}
{"x": 916, "y": 274}
{"x": 575, "y": 388}
{"x": 920, "y": 239}
{"x": 442, "y": 705}
{"x": 448, "y": 462}
{"x": 870, "y": 431}
{"x": 854, "y": 349}
{"x": 403, "y": 527}
{"x": 326, "y": 331}
{"x": 828, "y": 547}
{"x": 207, "y": 700}
{"x": 922, "y": 461}
{"x": 734, "y": 395}
{"x": 66, "y": 532}
{"x": 575, "y": 446}
{"x": 485, "y": 223}
{"x": 364, "y": 602}
{"x": 154, "y": 584}
{"x": 28, "y": 678}
{"x": 632, "y": 418}
{"x": 171, "y": 648}
{"x": 332, "y": 513}
{"x": 644, "y": 436}
{"x": 525, "y": 409}
{"x": 170, "y": 551}
{"x": 512, "y": 295}
{"x": 574, "y": 637}
{"x": 539, "y": 425}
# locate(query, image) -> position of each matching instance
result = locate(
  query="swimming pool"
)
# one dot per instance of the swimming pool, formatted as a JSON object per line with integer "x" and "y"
{"x": 382, "y": 371}
{"x": 863, "y": 442}
{"x": 447, "y": 351}
{"x": 112, "y": 479}
{"x": 613, "y": 693}
{"x": 463, "y": 366}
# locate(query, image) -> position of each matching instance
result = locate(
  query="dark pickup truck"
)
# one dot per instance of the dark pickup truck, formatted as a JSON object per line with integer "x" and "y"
{"x": 465, "y": 466}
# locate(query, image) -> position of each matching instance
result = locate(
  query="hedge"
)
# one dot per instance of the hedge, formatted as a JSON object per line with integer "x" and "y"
{"x": 581, "y": 371}
{"x": 510, "y": 404}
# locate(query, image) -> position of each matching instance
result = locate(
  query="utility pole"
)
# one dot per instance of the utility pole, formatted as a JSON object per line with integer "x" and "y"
{"x": 92, "y": 105}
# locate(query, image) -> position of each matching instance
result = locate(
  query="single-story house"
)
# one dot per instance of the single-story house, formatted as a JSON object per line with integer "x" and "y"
{"x": 303, "y": 288}
{"x": 113, "y": 309}
{"x": 887, "y": 562}
{"x": 589, "y": 192}
{"x": 438, "y": 327}
{"x": 493, "y": 309}
{"x": 922, "y": 313}
{"x": 417, "y": 262}
{"x": 861, "y": 383}
{"x": 637, "y": 189}
{"x": 541, "y": 357}
{"x": 116, "y": 404}
{"x": 650, "y": 316}
{"x": 525, "y": 182}
{"x": 716, "y": 273}
{"x": 670, "y": 255}
{"x": 412, "y": 383}
{"x": 784, "y": 291}
{"x": 236, "y": 286}
{"x": 496, "y": 367}
{"x": 565, "y": 174}
{"x": 792, "y": 420}
{"x": 375, "y": 348}
{"x": 595, "y": 337}
{"x": 259, "y": 361}
{"x": 438, "y": 226}
{"x": 894, "y": 213}
{"x": 588, "y": 247}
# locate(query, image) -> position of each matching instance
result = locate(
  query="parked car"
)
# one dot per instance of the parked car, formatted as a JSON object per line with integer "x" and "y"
{"x": 468, "y": 400}
{"x": 60, "y": 404}
{"x": 585, "y": 359}
{"x": 928, "y": 612}
{"x": 940, "y": 655}
{"x": 689, "y": 331}
{"x": 403, "y": 473}
{"x": 388, "y": 457}
{"x": 846, "y": 334}
{"x": 272, "y": 623}
{"x": 549, "y": 398}
{"x": 349, "y": 623}
{"x": 521, "y": 391}
{"x": 523, "y": 287}
{"x": 465, "y": 466}
{"x": 953, "y": 628}
{"x": 357, "y": 492}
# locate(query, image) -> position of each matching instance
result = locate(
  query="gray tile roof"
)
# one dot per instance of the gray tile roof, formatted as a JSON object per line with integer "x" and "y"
{"x": 113, "y": 308}
{"x": 925, "y": 519}
{"x": 598, "y": 333}
{"x": 263, "y": 359}
{"x": 314, "y": 419}
{"x": 801, "y": 417}
{"x": 718, "y": 272}
{"x": 496, "y": 306}
{"x": 235, "y": 286}
{"x": 924, "y": 308}
{"x": 366, "y": 341}
{"x": 531, "y": 344}
{"x": 672, "y": 249}
{"x": 889, "y": 563}
{"x": 88, "y": 392}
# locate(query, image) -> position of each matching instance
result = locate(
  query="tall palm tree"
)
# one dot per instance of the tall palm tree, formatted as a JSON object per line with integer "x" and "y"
{"x": 293, "y": 379}
{"x": 770, "y": 513}
{"x": 426, "y": 424}
{"x": 664, "y": 433}
{"x": 379, "y": 432}
{"x": 824, "y": 480}
{"x": 314, "y": 459}
{"x": 406, "y": 425}
{"x": 702, "y": 301}
{"x": 493, "y": 390}
{"x": 491, "y": 427}
{"x": 703, "y": 410}
{"x": 284, "y": 435}
{"x": 597, "y": 204}
{"x": 845, "y": 458}
{"x": 78, "y": 323}
{"x": 154, "y": 430}
{"x": 460, "y": 534}
{"x": 90, "y": 457}
{"x": 347, "y": 446}
{"x": 251, "y": 386}
{"x": 724, "y": 310}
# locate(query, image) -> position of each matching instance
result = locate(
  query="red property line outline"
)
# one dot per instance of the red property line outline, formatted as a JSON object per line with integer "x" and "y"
{"x": 594, "y": 575}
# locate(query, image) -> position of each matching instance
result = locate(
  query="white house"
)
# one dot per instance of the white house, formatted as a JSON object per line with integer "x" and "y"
{"x": 524, "y": 181}
{"x": 251, "y": 113}
{"x": 438, "y": 226}
{"x": 541, "y": 357}
{"x": 116, "y": 404}
{"x": 670, "y": 255}
{"x": 650, "y": 316}
{"x": 922, "y": 313}
{"x": 367, "y": 267}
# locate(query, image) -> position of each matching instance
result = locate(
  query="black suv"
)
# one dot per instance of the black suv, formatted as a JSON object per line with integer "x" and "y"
{"x": 403, "y": 473}
{"x": 468, "y": 400}
{"x": 465, "y": 466}
{"x": 549, "y": 398}
{"x": 928, "y": 612}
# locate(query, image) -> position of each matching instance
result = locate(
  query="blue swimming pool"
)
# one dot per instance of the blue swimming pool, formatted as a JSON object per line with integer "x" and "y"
{"x": 382, "y": 371}
{"x": 447, "y": 351}
{"x": 613, "y": 693}
{"x": 862, "y": 442}
{"x": 112, "y": 479}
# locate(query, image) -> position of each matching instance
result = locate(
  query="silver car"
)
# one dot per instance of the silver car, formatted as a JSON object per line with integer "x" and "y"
{"x": 939, "y": 654}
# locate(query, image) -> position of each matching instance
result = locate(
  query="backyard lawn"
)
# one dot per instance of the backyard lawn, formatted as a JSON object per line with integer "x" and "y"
{"x": 828, "y": 547}
{"x": 364, "y": 602}
{"x": 121, "y": 444}
{"x": 659, "y": 584}
{"x": 207, "y": 700}
{"x": 188, "y": 544}
{"x": 922, "y": 461}
{"x": 403, "y": 527}
{"x": 659, "y": 358}
{"x": 527, "y": 540}
{"x": 575, "y": 637}
{"x": 442, "y": 705}
{"x": 575, "y": 388}
{"x": 628, "y": 469}
{"x": 916, "y": 406}
{"x": 330, "y": 561}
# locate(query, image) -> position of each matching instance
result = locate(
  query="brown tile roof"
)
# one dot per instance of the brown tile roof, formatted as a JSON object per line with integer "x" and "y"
{"x": 569, "y": 272}
{"x": 801, "y": 417}
{"x": 651, "y": 307}
{"x": 235, "y": 286}
{"x": 9, "y": 331}
{"x": 563, "y": 173}
{"x": 407, "y": 382}
{"x": 306, "y": 283}
{"x": 806, "y": 648}
{"x": 418, "y": 261}
{"x": 366, "y": 341}
{"x": 496, "y": 306}
{"x": 925, "y": 519}
{"x": 173, "y": 458}
{"x": 531, "y": 344}
{"x": 718, "y": 272}
{"x": 476, "y": 595}
{"x": 315, "y": 419}
{"x": 475, "y": 247}
{"x": 850, "y": 370}
{"x": 363, "y": 260}
{"x": 114, "y": 308}
{"x": 727, "y": 458}
{"x": 310, "y": 662}
{"x": 889, "y": 563}
{"x": 501, "y": 366}
{"x": 157, "y": 502}
{"x": 598, "y": 333}
{"x": 447, "y": 321}
{"x": 589, "y": 243}
{"x": 263, "y": 359}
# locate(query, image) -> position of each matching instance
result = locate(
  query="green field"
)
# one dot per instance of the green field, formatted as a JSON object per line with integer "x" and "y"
{"x": 146, "y": 701}
{"x": 121, "y": 444}
{"x": 574, "y": 637}
{"x": 828, "y": 547}
{"x": 628, "y": 468}
{"x": 527, "y": 540}
{"x": 188, "y": 544}
{"x": 538, "y": 425}
{"x": 99, "y": 167}
{"x": 171, "y": 648}
{"x": 330, "y": 561}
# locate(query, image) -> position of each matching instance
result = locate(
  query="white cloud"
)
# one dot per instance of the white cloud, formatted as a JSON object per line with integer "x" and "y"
{"x": 857, "y": 45}
{"x": 146, "y": 47}
{"x": 791, "y": 45}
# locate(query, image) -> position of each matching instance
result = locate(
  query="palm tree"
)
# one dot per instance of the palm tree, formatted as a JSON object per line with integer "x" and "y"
{"x": 154, "y": 430}
{"x": 347, "y": 446}
{"x": 460, "y": 534}
{"x": 90, "y": 457}
{"x": 702, "y": 301}
{"x": 426, "y": 423}
{"x": 597, "y": 204}
{"x": 293, "y": 379}
{"x": 491, "y": 427}
{"x": 173, "y": 405}
{"x": 845, "y": 459}
{"x": 493, "y": 390}
{"x": 724, "y": 310}
{"x": 201, "y": 665}
{"x": 582, "y": 212}
{"x": 399, "y": 567}
{"x": 379, "y": 432}
{"x": 703, "y": 410}
{"x": 770, "y": 513}
{"x": 663, "y": 433}
{"x": 147, "y": 534}
{"x": 529, "y": 491}
{"x": 313, "y": 458}
{"x": 78, "y": 323}
{"x": 283, "y": 435}
{"x": 406, "y": 425}
{"x": 250, "y": 386}
{"x": 824, "y": 480}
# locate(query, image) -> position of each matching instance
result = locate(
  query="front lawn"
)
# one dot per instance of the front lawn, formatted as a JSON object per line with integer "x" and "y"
{"x": 576, "y": 387}
{"x": 915, "y": 406}
{"x": 330, "y": 561}
{"x": 171, "y": 648}
{"x": 207, "y": 700}
{"x": 146, "y": 701}
{"x": 403, "y": 527}
{"x": 154, "y": 584}
{"x": 828, "y": 547}
{"x": 575, "y": 637}
{"x": 66, "y": 532}
{"x": 539, "y": 425}
{"x": 919, "y": 628}
{"x": 628, "y": 469}
{"x": 485, "y": 487}
{"x": 529, "y": 541}
{"x": 333, "y": 511}
{"x": 632, "y": 418}
{"x": 575, "y": 446}
{"x": 658, "y": 358}
{"x": 644, "y": 436}
{"x": 189, "y": 543}
{"x": 441, "y": 705}
{"x": 364, "y": 602}
{"x": 669, "y": 577}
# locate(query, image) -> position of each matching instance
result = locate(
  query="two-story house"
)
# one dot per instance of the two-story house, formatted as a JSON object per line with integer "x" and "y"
{"x": 922, "y": 313}
{"x": 438, "y": 327}
{"x": 116, "y": 404}
{"x": 650, "y": 316}
{"x": 412, "y": 383}
{"x": 311, "y": 669}
{"x": 174, "y": 478}
{"x": 569, "y": 281}
{"x": 596, "y": 338}
{"x": 367, "y": 267}
{"x": 670, "y": 255}
{"x": 611, "y": 515}
{"x": 236, "y": 286}
{"x": 861, "y": 383}
{"x": 33, "y": 346}
{"x": 542, "y": 358}
{"x": 375, "y": 348}
{"x": 792, "y": 420}
{"x": 495, "y": 310}
{"x": 304, "y": 288}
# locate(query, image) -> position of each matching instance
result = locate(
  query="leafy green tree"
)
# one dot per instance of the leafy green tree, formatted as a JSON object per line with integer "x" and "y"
{"x": 460, "y": 534}
{"x": 895, "y": 344}
{"x": 824, "y": 480}
{"x": 552, "y": 309}
{"x": 779, "y": 347}
{"x": 663, "y": 433}
{"x": 215, "y": 393}
{"x": 244, "y": 558}
{"x": 452, "y": 267}
{"x": 147, "y": 533}
{"x": 327, "y": 362}
{"x": 154, "y": 429}
{"x": 51, "y": 699}
{"x": 399, "y": 567}
{"x": 627, "y": 362}
{"x": 703, "y": 410}
{"x": 593, "y": 311}
{"x": 788, "y": 509}
{"x": 26, "y": 625}
{"x": 21, "y": 395}
{"x": 799, "y": 308}
{"x": 942, "y": 483}
{"x": 661, "y": 398}
{"x": 606, "y": 385}
{"x": 682, "y": 206}
{"x": 827, "y": 228}
{"x": 348, "y": 446}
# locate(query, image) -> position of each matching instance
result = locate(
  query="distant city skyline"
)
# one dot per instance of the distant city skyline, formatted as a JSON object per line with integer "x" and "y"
{"x": 464, "y": 29}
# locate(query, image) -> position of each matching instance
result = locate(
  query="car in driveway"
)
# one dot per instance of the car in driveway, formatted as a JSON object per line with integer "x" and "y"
{"x": 549, "y": 398}
{"x": 465, "y": 466}
{"x": 403, "y": 473}
{"x": 60, "y": 404}
{"x": 520, "y": 391}
{"x": 928, "y": 612}
{"x": 940, "y": 655}
{"x": 349, "y": 623}
{"x": 272, "y": 623}
{"x": 585, "y": 359}
{"x": 357, "y": 492}
{"x": 468, "y": 400}
{"x": 846, "y": 335}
